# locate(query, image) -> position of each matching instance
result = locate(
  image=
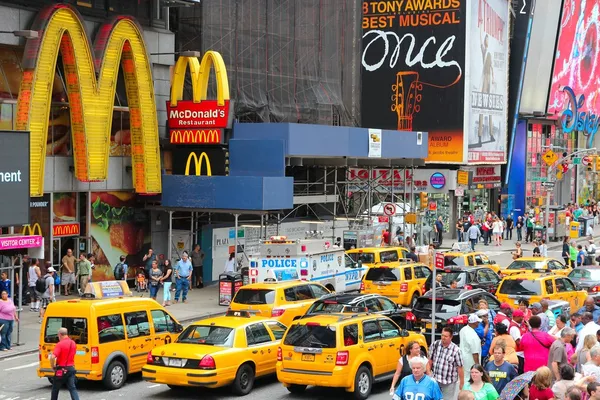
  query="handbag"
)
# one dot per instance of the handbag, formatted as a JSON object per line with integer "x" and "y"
{"x": 539, "y": 341}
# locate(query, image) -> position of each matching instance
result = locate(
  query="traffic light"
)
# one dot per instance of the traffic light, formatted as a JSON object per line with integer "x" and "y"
{"x": 424, "y": 200}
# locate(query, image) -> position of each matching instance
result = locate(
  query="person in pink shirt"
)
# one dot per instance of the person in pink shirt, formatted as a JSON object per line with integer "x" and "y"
{"x": 536, "y": 345}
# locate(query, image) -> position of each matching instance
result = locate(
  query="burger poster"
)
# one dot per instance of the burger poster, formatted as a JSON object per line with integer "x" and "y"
{"x": 64, "y": 207}
{"x": 118, "y": 228}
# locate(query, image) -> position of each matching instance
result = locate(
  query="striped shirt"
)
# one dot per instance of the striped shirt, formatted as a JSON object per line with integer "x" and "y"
{"x": 446, "y": 361}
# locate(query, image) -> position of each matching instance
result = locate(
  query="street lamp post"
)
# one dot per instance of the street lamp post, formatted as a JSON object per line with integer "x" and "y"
{"x": 550, "y": 169}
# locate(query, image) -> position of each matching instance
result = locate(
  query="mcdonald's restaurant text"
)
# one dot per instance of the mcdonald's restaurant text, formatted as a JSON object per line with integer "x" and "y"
{"x": 206, "y": 114}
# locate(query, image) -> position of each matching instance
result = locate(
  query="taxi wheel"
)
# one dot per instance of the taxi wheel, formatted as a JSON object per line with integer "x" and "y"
{"x": 177, "y": 388}
{"x": 296, "y": 388}
{"x": 244, "y": 380}
{"x": 115, "y": 376}
{"x": 363, "y": 383}
{"x": 413, "y": 301}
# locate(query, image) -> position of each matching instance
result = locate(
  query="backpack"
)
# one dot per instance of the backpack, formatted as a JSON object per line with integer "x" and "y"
{"x": 119, "y": 271}
{"x": 40, "y": 284}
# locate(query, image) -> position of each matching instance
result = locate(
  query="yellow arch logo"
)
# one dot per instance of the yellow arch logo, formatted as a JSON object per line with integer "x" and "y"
{"x": 90, "y": 75}
{"x": 198, "y": 164}
{"x": 200, "y": 72}
{"x": 29, "y": 230}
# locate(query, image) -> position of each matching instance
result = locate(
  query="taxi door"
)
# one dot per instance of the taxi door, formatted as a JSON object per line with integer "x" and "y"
{"x": 263, "y": 348}
{"x": 392, "y": 343}
{"x": 567, "y": 292}
{"x": 165, "y": 328}
{"x": 375, "y": 345}
{"x": 139, "y": 339}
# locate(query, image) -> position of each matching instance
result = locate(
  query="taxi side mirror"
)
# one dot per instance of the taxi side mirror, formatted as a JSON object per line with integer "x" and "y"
{"x": 178, "y": 327}
{"x": 404, "y": 333}
{"x": 359, "y": 264}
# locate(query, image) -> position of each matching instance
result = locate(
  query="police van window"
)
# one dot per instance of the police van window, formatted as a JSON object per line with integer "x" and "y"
{"x": 371, "y": 331}
{"x": 77, "y": 327}
{"x": 388, "y": 256}
{"x": 351, "y": 335}
{"x": 257, "y": 334}
{"x": 318, "y": 291}
{"x": 408, "y": 273}
{"x": 137, "y": 324}
{"x": 162, "y": 322}
{"x": 110, "y": 328}
{"x": 277, "y": 328}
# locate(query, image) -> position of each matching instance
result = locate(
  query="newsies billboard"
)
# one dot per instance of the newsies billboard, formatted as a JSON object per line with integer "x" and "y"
{"x": 199, "y": 121}
{"x": 14, "y": 178}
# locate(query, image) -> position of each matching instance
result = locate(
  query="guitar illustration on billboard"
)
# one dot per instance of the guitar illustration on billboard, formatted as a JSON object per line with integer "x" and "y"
{"x": 406, "y": 98}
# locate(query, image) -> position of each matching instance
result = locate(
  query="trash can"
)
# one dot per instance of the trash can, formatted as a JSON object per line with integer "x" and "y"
{"x": 229, "y": 284}
{"x": 245, "y": 275}
{"x": 574, "y": 230}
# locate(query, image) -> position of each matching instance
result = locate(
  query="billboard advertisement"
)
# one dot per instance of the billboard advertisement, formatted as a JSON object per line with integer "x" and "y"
{"x": 14, "y": 178}
{"x": 576, "y": 60}
{"x": 488, "y": 81}
{"x": 412, "y": 65}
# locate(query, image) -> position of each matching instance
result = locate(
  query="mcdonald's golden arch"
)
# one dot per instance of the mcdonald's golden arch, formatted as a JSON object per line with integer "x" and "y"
{"x": 91, "y": 79}
{"x": 198, "y": 164}
{"x": 196, "y": 136}
{"x": 63, "y": 230}
{"x": 34, "y": 230}
{"x": 199, "y": 113}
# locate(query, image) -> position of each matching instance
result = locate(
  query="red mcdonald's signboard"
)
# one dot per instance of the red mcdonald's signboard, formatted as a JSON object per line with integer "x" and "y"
{"x": 63, "y": 230}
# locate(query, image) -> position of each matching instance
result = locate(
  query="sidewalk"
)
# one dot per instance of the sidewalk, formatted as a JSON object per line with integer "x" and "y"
{"x": 202, "y": 303}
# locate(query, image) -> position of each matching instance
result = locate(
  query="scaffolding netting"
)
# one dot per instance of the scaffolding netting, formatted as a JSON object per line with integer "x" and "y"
{"x": 287, "y": 60}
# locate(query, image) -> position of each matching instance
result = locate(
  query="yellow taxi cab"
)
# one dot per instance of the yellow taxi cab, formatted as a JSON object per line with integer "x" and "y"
{"x": 529, "y": 264}
{"x": 403, "y": 283}
{"x": 113, "y": 334}
{"x": 469, "y": 259}
{"x": 340, "y": 350}
{"x": 229, "y": 350}
{"x": 370, "y": 256}
{"x": 535, "y": 286}
{"x": 283, "y": 300}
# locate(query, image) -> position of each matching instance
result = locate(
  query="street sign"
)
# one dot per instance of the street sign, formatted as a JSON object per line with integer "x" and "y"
{"x": 439, "y": 260}
{"x": 548, "y": 184}
{"x": 577, "y": 161}
{"x": 459, "y": 191}
{"x": 550, "y": 157}
{"x": 587, "y": 160}
{"x": 389, "y": 209}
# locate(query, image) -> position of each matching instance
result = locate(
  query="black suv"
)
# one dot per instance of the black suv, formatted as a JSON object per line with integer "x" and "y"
{"x": 452, "y": 308}
{"x": 355, "y": 303}
{"x": 468, "y": 278}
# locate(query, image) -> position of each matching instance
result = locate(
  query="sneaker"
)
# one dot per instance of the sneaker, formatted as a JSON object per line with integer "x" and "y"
{"x": 176, "y": 301}
{"x": 185, "y": 302}
{"x": 39, "y": 321}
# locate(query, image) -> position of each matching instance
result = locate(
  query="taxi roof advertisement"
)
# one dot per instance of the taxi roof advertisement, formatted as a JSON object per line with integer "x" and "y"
{"x": 413, "y": 71}
{"x": 14, "y": 178}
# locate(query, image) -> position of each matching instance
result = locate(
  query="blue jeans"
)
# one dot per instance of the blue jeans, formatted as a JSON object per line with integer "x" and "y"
{"x": 183, "y": 284}
{"x": 166, "y": 291}
{"x": 154, "y": 290}
{"x": 69, "y": 379}
{"x": 6, "y": 333}
{"x": 473, "y": 243}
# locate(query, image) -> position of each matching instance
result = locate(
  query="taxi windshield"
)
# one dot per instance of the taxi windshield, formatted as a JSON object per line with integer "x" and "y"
{"x": 521, "y": 287}
{"x": 524, "y": 264}
{"x": 210, "y": 335}
{"x": 383, "y": 274}
{"x": 309, "y": 335}
{"x": 254, "y": 296}
{"x": 365, "y": 258}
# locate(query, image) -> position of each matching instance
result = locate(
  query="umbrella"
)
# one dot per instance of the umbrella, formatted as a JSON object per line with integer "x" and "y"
{"x": 514, "y": 387}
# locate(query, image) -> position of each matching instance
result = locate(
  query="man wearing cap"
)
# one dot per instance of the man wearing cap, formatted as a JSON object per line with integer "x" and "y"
{"x": 485, "y": 331}
{"x": 503, "y": 316}
{"x": 590, "y": 306}
{"x": 48, "y": 295}
{"x": 470, "y": 345}
{"x": 536, "y": 309}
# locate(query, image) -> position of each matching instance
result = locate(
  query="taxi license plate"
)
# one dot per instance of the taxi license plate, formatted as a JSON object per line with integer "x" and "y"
{"x": 175, "y": 363}
{"x": 308, "y": 357}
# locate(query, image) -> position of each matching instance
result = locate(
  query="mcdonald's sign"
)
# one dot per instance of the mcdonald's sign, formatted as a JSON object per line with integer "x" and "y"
{"x": 35, "y": 230}
{"x": 90, "y": 75}
{"x": 199, "y": 113}
{"x": 198, "y": 163}
{"x": 196, "y": 136}
{"x": 63, "y": 230}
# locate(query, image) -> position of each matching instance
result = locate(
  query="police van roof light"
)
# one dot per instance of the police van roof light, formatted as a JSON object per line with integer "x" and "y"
{"x": 278, "y": 238}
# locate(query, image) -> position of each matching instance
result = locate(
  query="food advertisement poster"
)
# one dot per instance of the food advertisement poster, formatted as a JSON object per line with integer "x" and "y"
{"x": 577, "y": 62}
{"x": 487, "y": 91}
{"x": 118, "y": 228}
{"x": 64, "y": 207}
{"x": 412, "y": 64}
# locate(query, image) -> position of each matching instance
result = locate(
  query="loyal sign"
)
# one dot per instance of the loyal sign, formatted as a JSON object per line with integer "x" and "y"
{"x": 279, "y": 263}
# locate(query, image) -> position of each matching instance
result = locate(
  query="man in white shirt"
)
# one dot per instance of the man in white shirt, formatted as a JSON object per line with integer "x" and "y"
{"x": 590, "y": 328}
{"x": 470, "y": 345}
{"x": 592, "y": 367}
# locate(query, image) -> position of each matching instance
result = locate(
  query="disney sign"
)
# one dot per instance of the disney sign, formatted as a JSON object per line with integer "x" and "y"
{"x": 574, "y": 118}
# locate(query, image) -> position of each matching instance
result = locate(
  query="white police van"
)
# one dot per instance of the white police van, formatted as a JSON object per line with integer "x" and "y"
{"x": 316, "y": 260}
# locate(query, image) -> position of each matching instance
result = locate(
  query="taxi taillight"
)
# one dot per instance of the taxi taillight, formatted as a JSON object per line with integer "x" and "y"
{"x": 595, "y": 289}
{"x": 277, "y": 312}
{"x": 40, "y": 352}
{"x": 410, "y": 316}
{"x": 149, "y": 358}
{"x": 279, "y": 354}
{"x": 207, "y": 362}
{"x": 404, "y": 287}
{"x": 362, "y": 286}
{"x": 95, "y": 355}
{"x": 342, "y": 358}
